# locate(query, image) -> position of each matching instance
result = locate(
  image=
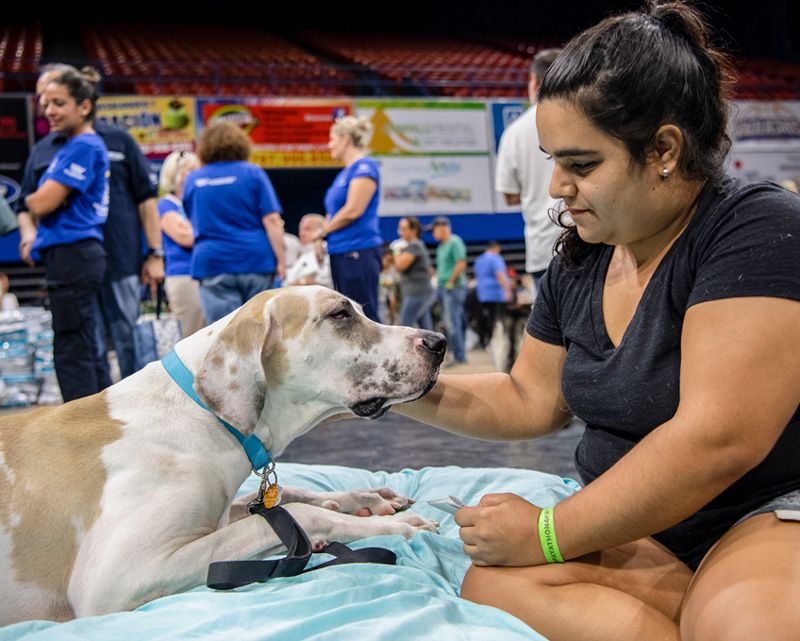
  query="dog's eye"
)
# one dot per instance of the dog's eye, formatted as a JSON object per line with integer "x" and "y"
{"x": 339, "y": 314}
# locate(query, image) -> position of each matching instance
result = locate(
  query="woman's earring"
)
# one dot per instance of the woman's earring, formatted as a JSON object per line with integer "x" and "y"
{"x": 665, "y": 173}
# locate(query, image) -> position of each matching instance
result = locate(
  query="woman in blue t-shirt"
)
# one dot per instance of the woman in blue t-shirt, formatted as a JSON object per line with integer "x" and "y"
{"x": 351, "y": 226}
{"x": 235, "y": 214}
{"x": 69, "y": 205}
{"x": 182, "y": 290}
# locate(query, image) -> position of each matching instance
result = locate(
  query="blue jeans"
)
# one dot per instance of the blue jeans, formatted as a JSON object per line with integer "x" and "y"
{"x": 223, "y": 293}
{"x": 118, "y": 308}
{"x": 415, "y": 311}
{"x": 452, "y": 301}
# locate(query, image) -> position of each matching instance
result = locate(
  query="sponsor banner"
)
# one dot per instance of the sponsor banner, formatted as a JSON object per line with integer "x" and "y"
{"x": 420, "y": 127}
{"x": 755, "y": 123}
{"x": 773, "y": 164}
{"x": 766, "y": 140}
{"x": 14, "y": 144}
{"x": 285, "y": 132}
{"x": 503, "y": 114}
{"x": 160, "y": 124}
{"x": 435, "y": 185}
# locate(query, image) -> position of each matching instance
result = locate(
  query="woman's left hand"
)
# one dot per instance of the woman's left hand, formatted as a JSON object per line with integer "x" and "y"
{"x": 501, "y": 530}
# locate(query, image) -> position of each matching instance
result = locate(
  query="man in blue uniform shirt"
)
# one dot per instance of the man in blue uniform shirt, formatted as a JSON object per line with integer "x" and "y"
{"x": 132, "y": 209}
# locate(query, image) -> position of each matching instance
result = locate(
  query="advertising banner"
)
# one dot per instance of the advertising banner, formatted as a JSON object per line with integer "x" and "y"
{"x": 766, "y": 140}
{"x": 434, "y": 156}
{"x": 285, "y": 132}
{"x": 439, "y": 185}
{"x": 14, "y": 145}
{"x": 160, "y": 124}
{"x": 503, "y": 114}
{"x": 414, "y": 127}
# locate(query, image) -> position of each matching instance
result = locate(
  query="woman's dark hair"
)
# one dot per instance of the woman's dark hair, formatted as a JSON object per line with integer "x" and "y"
{"x": 632, "y": 73}
{"x": 223, "y": 141}
{"x": 81, "y": 85}
{"x": 414, "y": 225}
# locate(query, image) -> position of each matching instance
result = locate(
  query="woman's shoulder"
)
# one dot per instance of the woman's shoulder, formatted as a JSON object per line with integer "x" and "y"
{"x": 749, "y": 210}
{"x": 168, "y": 203}
{"x": 89, "y": 141}
{"x": 365, "y": 166}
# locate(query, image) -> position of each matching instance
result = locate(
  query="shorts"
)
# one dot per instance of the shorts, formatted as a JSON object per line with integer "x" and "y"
{"x": 788, "y": 501}
{"x": 691, "y": 539}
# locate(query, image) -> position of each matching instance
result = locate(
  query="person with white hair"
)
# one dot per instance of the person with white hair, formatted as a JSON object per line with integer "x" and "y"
{"x": 313, "y": 267}
{"x": 183, "y": 292}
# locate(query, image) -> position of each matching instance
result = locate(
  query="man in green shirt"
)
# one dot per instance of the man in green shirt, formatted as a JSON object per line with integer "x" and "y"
{"x": 451, "y": 263}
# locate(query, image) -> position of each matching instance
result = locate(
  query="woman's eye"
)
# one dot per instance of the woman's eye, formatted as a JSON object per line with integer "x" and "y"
{"x": 339, "y": 315}
{"x": 583, "y": 167}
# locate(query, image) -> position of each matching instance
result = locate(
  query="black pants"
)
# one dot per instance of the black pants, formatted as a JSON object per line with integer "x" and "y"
{"x": 356, "y": 275}
{"x": 488, "y": 314}
{"x": 73, "y": 274}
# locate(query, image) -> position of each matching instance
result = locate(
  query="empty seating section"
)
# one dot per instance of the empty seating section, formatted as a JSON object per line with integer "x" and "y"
{"x": 207, "y": 60}
{"x": 227, "y": 60}
{"x": 20, "y": 53}
{"x": 434, "y": 65}
{"x": 767, "y": 80}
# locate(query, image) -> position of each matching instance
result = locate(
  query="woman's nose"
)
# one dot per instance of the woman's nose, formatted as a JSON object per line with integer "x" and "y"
{"x": 561, "y": 184}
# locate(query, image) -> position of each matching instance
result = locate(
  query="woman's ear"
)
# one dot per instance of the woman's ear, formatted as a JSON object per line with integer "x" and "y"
{"x": 668, "y": 147}
{"x": 85, "y": 108}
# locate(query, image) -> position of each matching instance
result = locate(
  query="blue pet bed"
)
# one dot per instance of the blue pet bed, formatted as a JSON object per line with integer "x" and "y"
{"x": 417, "y": 599}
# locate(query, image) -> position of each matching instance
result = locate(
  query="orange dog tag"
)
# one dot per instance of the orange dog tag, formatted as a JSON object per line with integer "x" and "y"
{"x": 272, "y": 495}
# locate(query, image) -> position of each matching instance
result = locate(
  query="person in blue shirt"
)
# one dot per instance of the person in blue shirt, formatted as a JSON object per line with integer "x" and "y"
{"x": 351, "y": 226}
{"x": 132, "y": 212}
{"x": 493, "y": 290}
{"x": 182, "y": 290}
{"x": 70, "y": 204}
{"x": 236, "y": 217}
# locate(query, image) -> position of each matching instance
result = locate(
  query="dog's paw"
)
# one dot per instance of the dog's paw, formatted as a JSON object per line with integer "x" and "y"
{"x": 413, "y": 523}
{"x": 380, "y": 501}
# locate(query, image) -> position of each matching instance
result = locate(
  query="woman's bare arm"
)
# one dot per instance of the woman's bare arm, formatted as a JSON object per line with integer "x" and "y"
{"x": 495, "y": 406}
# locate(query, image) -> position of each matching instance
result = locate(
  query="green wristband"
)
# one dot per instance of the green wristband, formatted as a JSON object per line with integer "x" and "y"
{"x": 547, "y": 537}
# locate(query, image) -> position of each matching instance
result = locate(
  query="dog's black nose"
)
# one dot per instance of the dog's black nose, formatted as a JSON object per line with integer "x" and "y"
{"x": 434, "y": 342}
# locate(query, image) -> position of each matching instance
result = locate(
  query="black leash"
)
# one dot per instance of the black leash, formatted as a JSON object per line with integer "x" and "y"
{"x": 226, "y": 575}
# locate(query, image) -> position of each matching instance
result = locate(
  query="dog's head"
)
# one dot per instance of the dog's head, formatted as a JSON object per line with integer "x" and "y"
{"x": 294, "y": 356}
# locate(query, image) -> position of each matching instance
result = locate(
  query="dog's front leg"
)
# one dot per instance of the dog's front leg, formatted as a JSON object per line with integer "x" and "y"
{"x": 152, "y": 571}
{"x": 381, "y": 501}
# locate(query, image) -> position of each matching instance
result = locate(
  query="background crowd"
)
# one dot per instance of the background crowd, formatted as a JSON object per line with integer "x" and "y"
{"x": 212, "y": 235}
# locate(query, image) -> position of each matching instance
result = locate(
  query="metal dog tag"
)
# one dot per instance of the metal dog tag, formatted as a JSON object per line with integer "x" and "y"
{"x": 272, "y": 495}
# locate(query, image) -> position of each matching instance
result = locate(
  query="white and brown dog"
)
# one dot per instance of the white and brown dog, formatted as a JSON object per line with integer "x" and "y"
{"x": 113, "y": 500}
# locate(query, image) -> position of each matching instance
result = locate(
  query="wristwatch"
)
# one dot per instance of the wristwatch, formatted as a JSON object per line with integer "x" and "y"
{"x": 157, "y": 252}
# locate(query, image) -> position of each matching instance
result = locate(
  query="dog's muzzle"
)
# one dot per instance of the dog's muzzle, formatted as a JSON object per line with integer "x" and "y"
{"x": 434, "y": 345}
{"x": 371, "y": 408}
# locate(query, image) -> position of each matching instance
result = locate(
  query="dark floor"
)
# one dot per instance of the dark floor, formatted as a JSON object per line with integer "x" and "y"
{"x": 395, "y": 442}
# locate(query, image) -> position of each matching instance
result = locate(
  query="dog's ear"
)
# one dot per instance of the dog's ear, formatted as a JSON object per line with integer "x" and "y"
{"x": 231, "y": 379}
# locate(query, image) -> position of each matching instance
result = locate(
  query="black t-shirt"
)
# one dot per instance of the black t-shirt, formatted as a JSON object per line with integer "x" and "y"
{"x": 129, "y": 185}
{"x": 744, "y": 240}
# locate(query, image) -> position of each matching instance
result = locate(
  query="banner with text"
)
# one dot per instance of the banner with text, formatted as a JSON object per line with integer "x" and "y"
{"x": 766, "y": 140}
{"x": 434, "y": 155}
{"x": 160, "y": 124}
{"x": 286, "y": 132}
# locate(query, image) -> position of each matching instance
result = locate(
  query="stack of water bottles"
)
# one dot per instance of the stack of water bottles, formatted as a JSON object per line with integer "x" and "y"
{"x": 27, "y": 375}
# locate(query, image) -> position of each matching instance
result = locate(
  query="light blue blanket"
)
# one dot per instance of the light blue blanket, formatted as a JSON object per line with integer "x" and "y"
{"x": 417, "y": 599}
